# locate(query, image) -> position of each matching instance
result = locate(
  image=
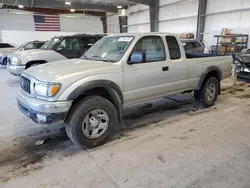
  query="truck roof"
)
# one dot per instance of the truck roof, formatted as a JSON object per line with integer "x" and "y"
{"x": 80, "y": 35}
{"x": 143, "y": 34}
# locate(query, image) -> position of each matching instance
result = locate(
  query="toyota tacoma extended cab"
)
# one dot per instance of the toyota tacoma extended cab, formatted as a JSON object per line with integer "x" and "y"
{"x": 88, "y": 94}
{"x": 58, "y": 48}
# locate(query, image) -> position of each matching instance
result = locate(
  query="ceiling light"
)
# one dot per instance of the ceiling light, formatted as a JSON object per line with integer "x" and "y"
{"x": 20, "y": 6}
{"x": 67, "y": 3}
{"x": 119, "y": 6}
{"x": 72, "y": 10}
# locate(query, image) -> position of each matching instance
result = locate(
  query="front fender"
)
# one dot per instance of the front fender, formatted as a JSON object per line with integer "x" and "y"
{"x": 110, "y": 86}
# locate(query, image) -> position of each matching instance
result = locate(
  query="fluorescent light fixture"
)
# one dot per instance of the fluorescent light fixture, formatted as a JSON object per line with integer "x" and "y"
{"x": 119, "y": 6}
{"x": 67, "y": 3}
{"x": 72, "y": 10}
{"x": 20, "y": 6}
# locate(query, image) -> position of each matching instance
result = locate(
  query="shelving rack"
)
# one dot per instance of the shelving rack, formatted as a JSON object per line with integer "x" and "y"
{"x": 243, "y": 44}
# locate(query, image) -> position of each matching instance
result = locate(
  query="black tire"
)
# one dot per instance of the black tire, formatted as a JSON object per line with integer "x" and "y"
{"x": 5, "y": 61}
{"x": 76, "y": 117}
{"x": 201, "y": 95}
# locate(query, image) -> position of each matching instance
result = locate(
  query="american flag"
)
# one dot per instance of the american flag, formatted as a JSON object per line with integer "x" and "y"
{"x": 45, "y": 22}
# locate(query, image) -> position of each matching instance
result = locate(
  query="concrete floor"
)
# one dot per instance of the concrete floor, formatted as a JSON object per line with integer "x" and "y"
{"x": 168, "y": 143}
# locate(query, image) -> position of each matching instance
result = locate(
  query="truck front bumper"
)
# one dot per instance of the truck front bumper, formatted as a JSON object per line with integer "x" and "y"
{"x": 43, "y": 112}
{"x": 15, "y": 70}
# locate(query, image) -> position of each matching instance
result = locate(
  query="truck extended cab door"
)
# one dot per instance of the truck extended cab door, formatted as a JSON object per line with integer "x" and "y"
{"x": 158, "y": 76}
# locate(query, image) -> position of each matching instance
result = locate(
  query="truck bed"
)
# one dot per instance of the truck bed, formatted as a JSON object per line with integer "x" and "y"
{"x": 192, "y": 55}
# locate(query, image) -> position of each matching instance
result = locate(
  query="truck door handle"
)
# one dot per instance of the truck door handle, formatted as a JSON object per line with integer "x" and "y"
{"x": 165, "y": 68}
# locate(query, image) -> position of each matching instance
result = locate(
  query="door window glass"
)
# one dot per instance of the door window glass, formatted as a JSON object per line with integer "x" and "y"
{"x": 152, "y": 47}
{"x": 29, "y": 46}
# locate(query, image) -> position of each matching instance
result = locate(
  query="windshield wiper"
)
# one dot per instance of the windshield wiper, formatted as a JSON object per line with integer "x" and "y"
{"x": 103, "y": 58}
{"x": 85, "y": 57}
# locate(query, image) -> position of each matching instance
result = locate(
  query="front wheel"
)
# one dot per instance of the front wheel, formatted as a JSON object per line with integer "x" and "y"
{"x": 5, "y": 61}
{"x": 208, "y": 93}
{"x": 91, "y": 121}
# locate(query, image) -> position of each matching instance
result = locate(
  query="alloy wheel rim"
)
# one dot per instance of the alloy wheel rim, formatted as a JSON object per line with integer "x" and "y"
{"x": 210, "y": 92}
{"x": 95, "y": 124}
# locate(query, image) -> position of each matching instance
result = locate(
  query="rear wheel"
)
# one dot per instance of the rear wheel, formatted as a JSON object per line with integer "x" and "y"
{"x": 91, "y": 121}
{"x": 209, "y": 92}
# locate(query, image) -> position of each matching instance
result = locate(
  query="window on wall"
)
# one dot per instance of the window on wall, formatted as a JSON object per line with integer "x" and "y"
{"x": 173, "y": 47}
{"x": 152, "y": 47}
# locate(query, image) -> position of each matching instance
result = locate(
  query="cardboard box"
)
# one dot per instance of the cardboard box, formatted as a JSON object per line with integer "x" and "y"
{"x": 224, "y": 31}
{"x": 187, "y": 36}
{"x": 227, "y": 40}
{"x": 230, "y": 49}
{"x": 221, "y": 50}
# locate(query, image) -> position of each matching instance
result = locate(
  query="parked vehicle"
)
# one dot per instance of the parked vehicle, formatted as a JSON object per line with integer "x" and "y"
{"x": 192, "y": 45}
{"x": 26, "y": 46}
{"x": 58, "y": 48}
{"x": 88, "y": 94}
{"x": 242, "y": 69}
{"x": 6, "y": 46}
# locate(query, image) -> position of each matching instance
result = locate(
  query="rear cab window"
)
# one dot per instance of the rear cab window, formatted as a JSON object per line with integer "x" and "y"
{"x": 173, "y": 47}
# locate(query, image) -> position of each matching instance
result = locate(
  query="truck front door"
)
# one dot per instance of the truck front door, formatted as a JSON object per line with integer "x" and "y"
{"x": 162, "y": 73}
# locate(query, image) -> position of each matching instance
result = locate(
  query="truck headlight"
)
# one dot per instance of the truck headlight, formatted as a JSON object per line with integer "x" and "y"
{"x": 15, "y": 61}
{"x": 46, "y": 89}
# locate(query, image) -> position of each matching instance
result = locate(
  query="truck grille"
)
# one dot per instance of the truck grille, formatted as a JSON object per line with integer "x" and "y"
{"x": 25, "y": 84}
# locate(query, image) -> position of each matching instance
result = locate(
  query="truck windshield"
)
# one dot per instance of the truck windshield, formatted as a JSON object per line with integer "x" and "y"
{"x": 110, "y": 48}
{"x": 50, "y": 44}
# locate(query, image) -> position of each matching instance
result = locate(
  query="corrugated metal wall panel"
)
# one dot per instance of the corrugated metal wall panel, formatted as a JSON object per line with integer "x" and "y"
{"x": 230, "y": 14}
{"x": 113, "y": 24}
{"x": 178, "y": 16}
{"x": 138, "y": 19}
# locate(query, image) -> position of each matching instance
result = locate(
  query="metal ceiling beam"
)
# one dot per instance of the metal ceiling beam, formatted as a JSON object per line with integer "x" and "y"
{"x": 60, "y": 5}
{"x": 144, "y": 2}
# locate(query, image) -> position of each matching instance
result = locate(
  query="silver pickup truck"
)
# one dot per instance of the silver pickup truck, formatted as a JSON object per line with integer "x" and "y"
{"x": 88, "y": 94}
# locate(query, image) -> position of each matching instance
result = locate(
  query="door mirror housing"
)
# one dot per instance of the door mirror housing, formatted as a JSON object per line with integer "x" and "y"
{"x": 137, "y": 57}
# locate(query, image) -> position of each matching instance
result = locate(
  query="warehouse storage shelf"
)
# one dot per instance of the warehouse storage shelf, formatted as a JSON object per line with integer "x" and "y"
{"x": 234, "y": 42}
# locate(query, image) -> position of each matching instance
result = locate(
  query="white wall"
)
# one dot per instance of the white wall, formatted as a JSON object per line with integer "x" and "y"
{"x": 178, "y": 16}
{"x": 20, "y": 37}
{"x": 113, "y": 25}
{"x": 15, "y": 20}
{"x": 138, "y": 19}
{"x": 232, "y": 15}
{"x": 175, "y": 16}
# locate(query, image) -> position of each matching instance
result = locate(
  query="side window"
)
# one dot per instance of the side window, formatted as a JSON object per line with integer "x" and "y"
{"x": 39, "y": 45}
{"x": 152, "y": 47}
{"x": 69, "y": 44}
{"x": 198, "y": 45}
{"x": 29, "y": 46}
{"x": 173, "y": 47}
{"x": 88, "y": 42}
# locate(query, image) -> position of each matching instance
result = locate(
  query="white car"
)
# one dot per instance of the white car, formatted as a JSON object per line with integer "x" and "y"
{"x": 5, "y": 48}
{"x": 58, "y": 48}
{"x": 26, "y": 46}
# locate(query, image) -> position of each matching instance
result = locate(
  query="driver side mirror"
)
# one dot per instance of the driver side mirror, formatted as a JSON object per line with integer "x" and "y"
{"x": 137, "y": 57}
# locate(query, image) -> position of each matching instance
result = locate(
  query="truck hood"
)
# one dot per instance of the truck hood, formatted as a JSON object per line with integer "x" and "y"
{"x": 59, "y": 70}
